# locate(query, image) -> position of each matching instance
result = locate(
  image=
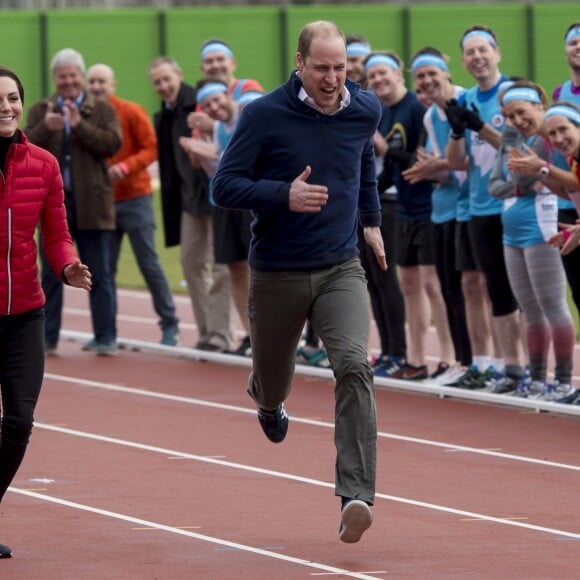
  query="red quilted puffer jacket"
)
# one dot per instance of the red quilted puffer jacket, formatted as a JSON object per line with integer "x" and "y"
{"x": 30, "y": 193}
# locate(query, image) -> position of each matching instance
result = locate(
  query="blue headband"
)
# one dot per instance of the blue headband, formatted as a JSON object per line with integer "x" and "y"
{"x": 381, "y": 59}
{"x": 503, "y": 87}
{"x": 428, "y": 60}
{"x": 248, "y": 97}
{"x": 521, "y": 94}
{"x": 216, "y": 47}
{"x": 357, "y": 49}
{"x": 481, "y": 33}
{"x": 210, "y": 89}
{"x": 564, "y": 111}
{"x": 573, "y": 33}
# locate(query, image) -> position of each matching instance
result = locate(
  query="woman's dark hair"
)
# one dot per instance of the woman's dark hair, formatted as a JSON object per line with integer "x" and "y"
{"x": 6, "y": 72}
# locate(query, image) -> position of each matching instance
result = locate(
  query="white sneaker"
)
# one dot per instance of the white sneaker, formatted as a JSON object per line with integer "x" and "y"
{"x": 451, "y": 375}
{"x": 554, "y": 391}
{"x": 356, "y": 519}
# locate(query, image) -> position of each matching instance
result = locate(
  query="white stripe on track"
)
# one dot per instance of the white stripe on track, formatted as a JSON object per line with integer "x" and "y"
{"x": 327, "y": 425}
{"x": 202, "y": 537}
{"x": 297, "y": 478}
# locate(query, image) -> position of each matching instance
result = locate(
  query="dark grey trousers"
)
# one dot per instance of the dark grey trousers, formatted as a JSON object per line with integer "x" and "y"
{"x": 335, "y": 300}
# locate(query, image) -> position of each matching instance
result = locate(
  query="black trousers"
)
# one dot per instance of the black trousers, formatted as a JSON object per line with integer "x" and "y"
{"x": 21, "y": 373}
{"x": 387, "y": 302}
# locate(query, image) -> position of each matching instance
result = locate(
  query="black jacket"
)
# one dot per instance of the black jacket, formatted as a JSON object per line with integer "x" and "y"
{"x": 183, "y": 187}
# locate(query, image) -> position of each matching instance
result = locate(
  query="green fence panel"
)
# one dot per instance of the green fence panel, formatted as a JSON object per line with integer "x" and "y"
{"x": 264, "y": 39}
{"x": 382, "y": 26}
{"x": 20, "y": 49}
{"x": 549, "y": 24}
{"x": 252, "y": 32}
{"x": 441, "y": 26}
{"x": 126, "y": 40}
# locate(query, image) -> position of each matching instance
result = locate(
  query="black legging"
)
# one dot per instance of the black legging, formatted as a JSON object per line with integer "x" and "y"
{"x": 450, "y": 280}
{"x": 387, "y": 302}
{"x": 571, "y": 261}
{"x": 21, "y": 372}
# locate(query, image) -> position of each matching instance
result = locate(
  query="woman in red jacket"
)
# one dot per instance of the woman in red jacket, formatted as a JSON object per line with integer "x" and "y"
{"x": 31, "y": 192}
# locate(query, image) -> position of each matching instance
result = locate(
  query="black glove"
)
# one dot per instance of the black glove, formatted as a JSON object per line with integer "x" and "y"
{"x": 471, "y": 117}
{"x": 458, "y": 125}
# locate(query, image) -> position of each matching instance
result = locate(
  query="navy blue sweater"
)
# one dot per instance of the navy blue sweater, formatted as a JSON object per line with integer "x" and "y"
{"x": 277, "y": 136}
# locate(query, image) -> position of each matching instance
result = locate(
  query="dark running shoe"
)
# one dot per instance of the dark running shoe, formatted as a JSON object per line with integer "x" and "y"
{"x": 170, "y": 336}
{"x": 572, "y": 399}
{"x": 472, "y": 379}
{"x": 5, "y": 551}
{"x": 411, "y": 373}
{"x": 245, "y": 348}
{"x": 315, "y": 357}
{"x": 274, "y": 423}
{"x": 389, "y": 365}
{"x": 441, "y": 369}
{"x": 356, "y": 519}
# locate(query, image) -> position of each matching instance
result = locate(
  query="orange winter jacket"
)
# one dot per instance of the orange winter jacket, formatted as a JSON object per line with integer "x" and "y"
{"x": 138, "y": 151}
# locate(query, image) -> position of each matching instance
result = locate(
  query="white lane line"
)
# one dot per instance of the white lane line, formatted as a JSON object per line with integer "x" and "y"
{"x": 129, "y": 318}
{"x": 297, "y": 478}
{"x": 221, "y": 406}
{"x": 534, "y": 405}
{"x": 135, "y": 294}
{"x": 181, "y": 532}
{"x": 317, "y": 574}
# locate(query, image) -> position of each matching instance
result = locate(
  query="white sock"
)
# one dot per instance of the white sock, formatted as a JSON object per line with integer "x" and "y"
{"x": 498, "y": 365}
{"x": 482, "y": 362}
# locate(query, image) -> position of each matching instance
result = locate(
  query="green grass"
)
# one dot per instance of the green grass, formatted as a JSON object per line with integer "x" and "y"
{"x": 128, "y": 274}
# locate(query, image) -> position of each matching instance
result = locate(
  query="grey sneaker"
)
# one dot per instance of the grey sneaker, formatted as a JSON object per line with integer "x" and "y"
{"x": 107, "y": 348}
{"x": 91, "y": 346}
{"x": 170, "y": 336}
{"x": 554, "y": 391}
{"x": 528, "y": 389}
{"x": 356, "y": 519}
{"x": 572, "y": 399}
{"x": 51, "y": 350}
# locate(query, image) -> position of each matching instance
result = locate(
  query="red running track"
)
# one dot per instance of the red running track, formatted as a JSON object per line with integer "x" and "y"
{"x": 147, "y": 466}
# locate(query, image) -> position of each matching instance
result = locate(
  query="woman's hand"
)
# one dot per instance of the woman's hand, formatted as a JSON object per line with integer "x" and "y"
{"x": 78, "y": 275}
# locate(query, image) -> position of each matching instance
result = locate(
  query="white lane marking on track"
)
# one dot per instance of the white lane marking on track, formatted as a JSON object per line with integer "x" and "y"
{"x": 182, "y": 299}
{"x": 292, "y": 477}
{"x": 334, "y": 574}
{"x": 200, "y": 402}
{"x": 181, "y": 532}
{"x": 129, "y": 318}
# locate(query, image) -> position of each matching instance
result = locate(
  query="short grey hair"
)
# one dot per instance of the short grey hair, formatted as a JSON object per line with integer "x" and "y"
{"x": 68, "y": 57}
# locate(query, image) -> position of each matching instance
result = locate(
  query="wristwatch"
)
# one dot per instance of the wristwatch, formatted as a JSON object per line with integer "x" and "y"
{"x": 545, "y": 171}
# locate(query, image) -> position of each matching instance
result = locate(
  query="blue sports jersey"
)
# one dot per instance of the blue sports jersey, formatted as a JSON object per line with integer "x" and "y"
{"x": 566, "y": 94}
{"x": 481, "y": 154}
{"x": 529, "y": 220}
{"x": 449, "y": 200}
{"x": 532, "y": 219}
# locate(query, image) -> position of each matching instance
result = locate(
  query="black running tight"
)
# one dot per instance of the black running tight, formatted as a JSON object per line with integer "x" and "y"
{"x": 21, "y": 372}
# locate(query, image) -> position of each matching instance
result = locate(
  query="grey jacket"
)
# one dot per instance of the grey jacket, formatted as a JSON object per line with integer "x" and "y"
{"x": 94, "y": 139}
{"x": 502, "y": 183}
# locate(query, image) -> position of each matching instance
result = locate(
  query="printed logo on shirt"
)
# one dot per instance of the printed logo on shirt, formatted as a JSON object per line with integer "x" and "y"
{"x": 497, "y": 121}
{"x": 397, "y": 137}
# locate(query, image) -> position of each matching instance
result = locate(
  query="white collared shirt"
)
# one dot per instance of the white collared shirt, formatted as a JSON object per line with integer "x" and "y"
{"x": 344, "y": 100}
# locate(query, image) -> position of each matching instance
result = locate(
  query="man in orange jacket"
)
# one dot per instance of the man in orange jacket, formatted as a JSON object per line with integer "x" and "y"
{"x": 128, "y": 170}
